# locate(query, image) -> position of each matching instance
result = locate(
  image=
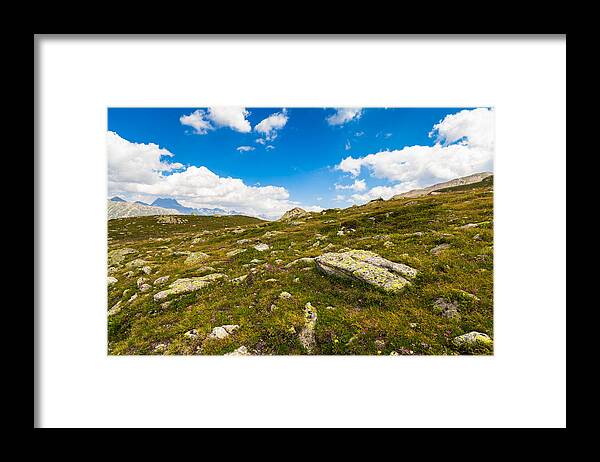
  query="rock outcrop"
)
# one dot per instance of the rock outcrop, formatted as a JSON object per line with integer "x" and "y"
{"x": 182, "y": 286}
{"x": 294, "y": 214}
{"x": 368, "y": 267}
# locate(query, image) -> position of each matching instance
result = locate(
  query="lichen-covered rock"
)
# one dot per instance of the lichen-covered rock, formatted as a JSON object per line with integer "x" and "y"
{"x": 473, "y": 339}
{"x": 445, "y": 308}
{"x": 241, "y": 351}
{"x": 115, "y": 309}
{"x": 110, "y": 280}
{"x": 145, "y": 287}
{"x": 222, "y": 332}
{"x": 239, "y": 279}
{"x": 195, "y": 257}
{"x": 439, "y": 248}
{"x": 182, "y": 286}
{"x": 118, "y": 255}
{"x": 285, "y": 295}
{"x": 235, "y": 252}
{"x": 307, "y": 334}
{"x": 137, "y": 263}
{"x": 147, "y": 269}
{"x": 300, "y": 261}
{"x": 294, "y": 213}
{"x": 368, "y": 267}
{"x": 261, "y": 247}
{"x": 161, "y": 280}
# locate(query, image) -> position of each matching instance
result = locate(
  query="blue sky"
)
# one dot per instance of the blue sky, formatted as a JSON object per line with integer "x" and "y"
{"x": 262, "y": 160}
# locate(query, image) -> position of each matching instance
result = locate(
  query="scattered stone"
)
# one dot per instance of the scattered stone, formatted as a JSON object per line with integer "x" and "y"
{"x": 412, "y": 324}
{"x": 161, "y": 280}
{"x": 326, "y": 222}
{"x": 205, "y": 269}
{"x": 110, "y": 280}
{"x": 140, "y": 281}
{"x": 340, "y": 233}
{"x": 165, "y": 305}
{"x": 303, "y": 260}
{"x": 380, "y": 344}
{"x": 328, "y": 247}
{"x": 115, "y": 309}
{"x": 137, "y": 263}
{"x": 388, "y": 244}
{"x": 256, "y": 261}
{"x": 181, "y": 286}
{"x": 222, "y": 332}
{"x": 366, "y": 266}
{"x": 273, "y": 307}
{"x": 307, "y": 334}
{"x": 160, "y": 348}
{"x": 445, "y": 308}
{"x": 147, "y": 269}
{"x": 439, "y": 248}
{"x": 170, "y": 219}
{"x": 233, "y": 253}
{"x": 241, "y": 351}
{"x": 239, "y": 279}
{"x": 269, "y": 234}
{"x": 477, "y": 237}
{"x": 198, "y": 240}
{"x": 285, "y": 295}
{"x": 261, "y": 247}
{"x": 279, "y": 261}
{"x": 133, "y": 297}
{"x": 393, "y": 353}
{"x": 145, "y": 287}
{"x": 467, "y": 295}
{"x": 296, "y": 279}
{"x": 243, "y": 241}
{"x": 117, "y": 256}
{"x": 329, "y": 308}
{"x": 195, "y": 257}
{"x": 271, "y": 280}
{"x": 191, "y": 334}
{"x": 473, "y": 338}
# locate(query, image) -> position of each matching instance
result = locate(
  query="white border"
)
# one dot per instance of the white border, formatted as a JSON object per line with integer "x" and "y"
{"x": 522, "y": 385}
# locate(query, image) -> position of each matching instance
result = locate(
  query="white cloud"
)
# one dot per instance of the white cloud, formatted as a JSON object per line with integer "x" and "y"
{"x": 268, "y": 127}
{"x": 260, "y": 141}
{"x": 245, "y": 148}
{"x": 348, "y": 146}
{"x": 343, "y": 115}
{"x": 471, "y": 134}
{"x": 358, "y": 185}
{"x": 464, "y": 144}
{"x": 136, "y": 163}
{"x": 217, "y": 117}
{"x": 136, "y": 170}
{"x": 269, "y": 147}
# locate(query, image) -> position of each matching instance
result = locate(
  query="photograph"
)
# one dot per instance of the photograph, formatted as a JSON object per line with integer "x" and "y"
{"x": 257, "y": 231}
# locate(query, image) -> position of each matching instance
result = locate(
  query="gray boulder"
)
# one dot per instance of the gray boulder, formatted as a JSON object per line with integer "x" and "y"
{"x": 368, "y": 267}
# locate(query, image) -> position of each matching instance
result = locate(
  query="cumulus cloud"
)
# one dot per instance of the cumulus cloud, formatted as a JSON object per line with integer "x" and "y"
{"x": 216, "y": 117}
{"x": 245, "y": 148}
{"x": 140, "y": 170}
{"x": 343, "y": 115}
{"x": 268, "y": 127}
{"x": 136, "y": 163}
{"x": 358, "y": 185}
{"x": 464, "y": 145}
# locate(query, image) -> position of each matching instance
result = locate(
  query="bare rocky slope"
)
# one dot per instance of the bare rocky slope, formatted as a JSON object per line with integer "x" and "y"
{"x": 118, "y": 209}
{"x": 469, "y": 179}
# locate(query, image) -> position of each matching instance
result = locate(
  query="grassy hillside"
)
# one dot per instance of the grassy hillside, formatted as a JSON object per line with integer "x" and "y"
{"x": 352, "y": 318}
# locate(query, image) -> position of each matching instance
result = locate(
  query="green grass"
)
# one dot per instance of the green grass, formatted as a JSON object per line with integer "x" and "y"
{"x": 360, "y": 316}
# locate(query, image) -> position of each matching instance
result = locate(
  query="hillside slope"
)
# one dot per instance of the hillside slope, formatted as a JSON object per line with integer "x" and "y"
{"x": 122, "y": 209}
{"x": 254, "y": 288}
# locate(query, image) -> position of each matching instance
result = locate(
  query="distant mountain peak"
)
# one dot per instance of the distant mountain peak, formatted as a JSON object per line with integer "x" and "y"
{"x": 117, "y": 199}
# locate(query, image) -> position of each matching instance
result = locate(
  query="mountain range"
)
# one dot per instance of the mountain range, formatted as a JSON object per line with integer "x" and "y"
{"x": 160, "y": 206}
